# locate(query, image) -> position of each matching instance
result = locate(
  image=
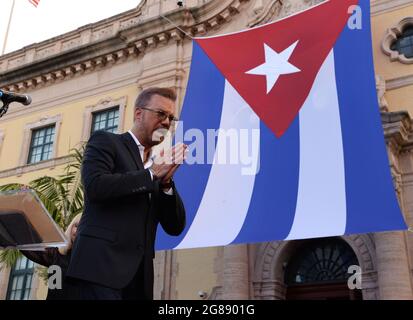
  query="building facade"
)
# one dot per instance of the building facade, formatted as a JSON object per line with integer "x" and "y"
{"x": 87, "y": 80}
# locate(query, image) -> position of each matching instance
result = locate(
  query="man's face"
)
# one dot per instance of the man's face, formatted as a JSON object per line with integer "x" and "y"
{"x": 152, "y": 122}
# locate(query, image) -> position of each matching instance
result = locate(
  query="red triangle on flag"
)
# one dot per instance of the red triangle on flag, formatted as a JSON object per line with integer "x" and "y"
{"x": 273, "y": 67}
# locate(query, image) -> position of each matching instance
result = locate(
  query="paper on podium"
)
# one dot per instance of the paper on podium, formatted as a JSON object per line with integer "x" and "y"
{"x": 26, "y": 224}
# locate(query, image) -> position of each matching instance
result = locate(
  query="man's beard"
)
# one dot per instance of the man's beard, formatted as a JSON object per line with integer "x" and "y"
{"x": 159, "y": 135}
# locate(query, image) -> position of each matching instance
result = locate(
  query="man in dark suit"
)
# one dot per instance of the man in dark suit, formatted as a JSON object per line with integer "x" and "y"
{"x": 126, "y": 195}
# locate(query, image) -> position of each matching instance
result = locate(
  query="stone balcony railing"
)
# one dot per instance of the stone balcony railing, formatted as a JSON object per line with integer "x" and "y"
{"x": 127, "y": 34}
{"x": 111, "y": 40}
{"x": 83, "y": 36}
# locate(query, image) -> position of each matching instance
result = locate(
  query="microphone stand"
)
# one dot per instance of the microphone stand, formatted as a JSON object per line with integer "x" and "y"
{"x": 4, "y": 108}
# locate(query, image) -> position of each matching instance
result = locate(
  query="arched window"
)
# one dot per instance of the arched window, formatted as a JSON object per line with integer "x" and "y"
{"x": 404, "y": 43}
{"x": 319, "y": 270}
{"x": 320, "y": 261}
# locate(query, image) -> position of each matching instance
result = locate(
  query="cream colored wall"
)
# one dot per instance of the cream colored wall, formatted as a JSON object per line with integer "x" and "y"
{"x": 70, "y": 130}
{"x": 69, "y": 135}
{"x": 26, "y": 177}
{"x": 402, "y": 98}
{"x": 41, "y": 292}
{"x": 196, "y": 272}
{"x": 380, "y": 24}
{"x": 4, "y": 281}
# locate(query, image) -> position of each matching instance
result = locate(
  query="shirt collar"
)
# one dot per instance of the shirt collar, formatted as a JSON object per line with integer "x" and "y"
{"x": 142, "y": 149}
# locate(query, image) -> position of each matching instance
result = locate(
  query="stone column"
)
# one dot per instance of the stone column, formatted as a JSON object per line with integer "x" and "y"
{"x": 235, "y": 278}
{"x": 392, "y": 252}
{"x": 4, "y": 281}
{"x": 164, "y": 275}
{"x": 392, "y": 266}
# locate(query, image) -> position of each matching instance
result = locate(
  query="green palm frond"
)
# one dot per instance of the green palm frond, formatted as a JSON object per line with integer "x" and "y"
{"x": 72, "y": 179}
{"x": 62, "y": 196}
{"x": 12, "y": 186}
{"x": 43, "y": 274}
{"x": 50, "y": 192}
{"x": 8, "y": 257}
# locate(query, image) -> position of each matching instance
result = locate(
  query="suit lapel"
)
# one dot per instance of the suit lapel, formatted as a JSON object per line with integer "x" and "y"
{"x": 133, "y": 149}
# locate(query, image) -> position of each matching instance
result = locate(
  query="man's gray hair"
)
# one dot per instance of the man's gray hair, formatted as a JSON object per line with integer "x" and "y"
{"x": 145, "y": 96}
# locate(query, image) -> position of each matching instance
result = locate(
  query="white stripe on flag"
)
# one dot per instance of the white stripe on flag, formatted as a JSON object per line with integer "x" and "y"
{"x": 321, "y": 200}
{"x": 227, "y": 195}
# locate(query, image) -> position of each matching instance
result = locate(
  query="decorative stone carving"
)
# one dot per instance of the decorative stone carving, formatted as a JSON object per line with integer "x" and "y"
{"x": 130, "y": 23}
{"x": 293, "y": 6}
{"x": 399, "y": 140}
{"x": 383, "y": 6}
{"x": 397, "y": 128}
{"x": 214, "y": 15}
{"x": 45, "y": 52}
{"x": 72, "y": 43}
{"x": 16, "y": 62}
{"x": 102, "y": 33}
{"x": 269, "y": 270}
{"x": 381, "y": 90}
{"x": 391, "y": 35}
{"x": 264, "y": 14}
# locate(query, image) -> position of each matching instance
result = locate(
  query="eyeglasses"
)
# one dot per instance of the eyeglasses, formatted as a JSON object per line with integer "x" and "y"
{"x": 161, "y": 114}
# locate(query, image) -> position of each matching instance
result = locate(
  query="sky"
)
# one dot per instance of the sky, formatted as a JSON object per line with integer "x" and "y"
{"x": 53, "y": 17}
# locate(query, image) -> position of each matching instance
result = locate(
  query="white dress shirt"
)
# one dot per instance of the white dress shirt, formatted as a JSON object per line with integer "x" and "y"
{"x": 149, "y": 162}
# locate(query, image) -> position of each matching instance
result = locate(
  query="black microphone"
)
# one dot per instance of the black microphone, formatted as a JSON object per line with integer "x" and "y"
{"x": 8, "y": 97}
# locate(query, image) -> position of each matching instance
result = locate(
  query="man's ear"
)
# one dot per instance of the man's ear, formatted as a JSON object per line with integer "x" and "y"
{"x": 137, "y": 114}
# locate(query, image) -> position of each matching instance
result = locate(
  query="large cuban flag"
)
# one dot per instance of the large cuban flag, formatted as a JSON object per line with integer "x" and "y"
{"x": 305, "y": 86}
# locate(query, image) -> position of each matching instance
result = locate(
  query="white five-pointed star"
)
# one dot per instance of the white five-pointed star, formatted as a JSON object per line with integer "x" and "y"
{"x": 275, "y": 65}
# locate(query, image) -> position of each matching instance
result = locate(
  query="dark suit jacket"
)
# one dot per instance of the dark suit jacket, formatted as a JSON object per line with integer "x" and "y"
{"x": 117, "y": 230}
{"x": 47, "y": 258}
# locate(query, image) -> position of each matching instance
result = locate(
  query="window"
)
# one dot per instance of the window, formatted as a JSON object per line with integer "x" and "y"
{"x": 319, "y": 271}
{"x": 41, "y": 145}
{"x": 107, "y": 114}
{"x": 20, "y": 281}
{"x": 404, "y": 43}
{"x": 397, "y": 42}
{"x": 106, "y": 120}
{"x": 321, "y": 260}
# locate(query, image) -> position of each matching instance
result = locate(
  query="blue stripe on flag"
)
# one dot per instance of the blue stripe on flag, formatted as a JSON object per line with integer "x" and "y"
{"x": 371, "y": 200}
{"x": 273, "y": 202}
{"x": 201, "y": 110}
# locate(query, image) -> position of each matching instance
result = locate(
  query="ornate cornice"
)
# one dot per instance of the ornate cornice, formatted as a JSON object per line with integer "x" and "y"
{"x": 382, "y": 6}
{"x": 398, "y": 130}
{"x": 107, "y": 42}
{"x": 265, "y": 12}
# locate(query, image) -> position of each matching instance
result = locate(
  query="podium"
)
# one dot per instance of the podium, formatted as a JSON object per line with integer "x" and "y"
{"x": 25, "y": 223}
